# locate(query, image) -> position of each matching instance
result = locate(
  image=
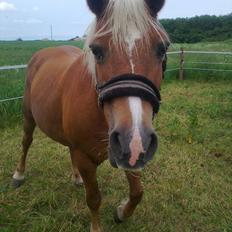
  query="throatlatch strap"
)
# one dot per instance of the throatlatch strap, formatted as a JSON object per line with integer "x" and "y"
{"x": 129, "y": 85}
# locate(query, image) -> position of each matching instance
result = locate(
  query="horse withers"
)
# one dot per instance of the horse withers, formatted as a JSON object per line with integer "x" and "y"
{"x": 101, "y": 101}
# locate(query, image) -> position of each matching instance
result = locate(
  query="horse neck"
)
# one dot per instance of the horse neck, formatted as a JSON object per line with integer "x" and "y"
{"x": 80, "y": 96}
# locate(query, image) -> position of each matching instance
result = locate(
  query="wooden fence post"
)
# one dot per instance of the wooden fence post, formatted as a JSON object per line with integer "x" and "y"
{"x": 181, "y": 72}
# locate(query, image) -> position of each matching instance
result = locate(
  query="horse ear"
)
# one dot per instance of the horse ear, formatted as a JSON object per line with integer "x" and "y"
{"x": 97, "y": 6}
{"x": 155, "y": 6}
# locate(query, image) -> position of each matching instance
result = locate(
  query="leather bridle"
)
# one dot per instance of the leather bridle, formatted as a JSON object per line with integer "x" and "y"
{"x": 129, "y": 85}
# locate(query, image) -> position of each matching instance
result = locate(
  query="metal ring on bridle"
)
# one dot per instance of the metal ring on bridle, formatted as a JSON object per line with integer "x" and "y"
{"x": 129, "y": 85}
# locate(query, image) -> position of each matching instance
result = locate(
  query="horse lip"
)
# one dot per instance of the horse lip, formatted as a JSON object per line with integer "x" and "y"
{"x": 116, "y": 163}
{"x": 138, "y": 166}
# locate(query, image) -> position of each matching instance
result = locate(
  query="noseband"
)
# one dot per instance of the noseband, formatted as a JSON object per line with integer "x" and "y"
{"x": 129, "y": 85}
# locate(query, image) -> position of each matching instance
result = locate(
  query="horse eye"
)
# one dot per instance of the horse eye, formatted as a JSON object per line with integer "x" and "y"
{"x": 161, "y": 51}
{"x": 98, "y": 52}
{"x": 164, "y": 64}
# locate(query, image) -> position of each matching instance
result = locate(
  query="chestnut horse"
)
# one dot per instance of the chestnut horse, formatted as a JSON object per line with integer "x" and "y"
{"x": 101, "y": 101}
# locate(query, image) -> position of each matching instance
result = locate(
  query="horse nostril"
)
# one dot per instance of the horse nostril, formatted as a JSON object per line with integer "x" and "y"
{"x": 119, "y": 144}
{"x": 115, "y": 142}
{"x": 142, "y": 156}
{"x": 152, "y": 147}
{"x": 153, "y": 139}
{"x": 115, "y": 138}
{"x": 125, "y": 156}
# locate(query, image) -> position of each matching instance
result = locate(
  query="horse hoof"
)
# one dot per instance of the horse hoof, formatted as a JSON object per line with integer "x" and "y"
{"x": 17, "y": 183}
{"x": 79, "y": 185}
{"x": 95, "y": 230}
{"x": 78, "y": 182}
{"x": 116, "y": 217}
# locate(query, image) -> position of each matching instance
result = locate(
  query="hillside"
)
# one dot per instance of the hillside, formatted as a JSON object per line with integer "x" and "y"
{"x": 199, "y": 28}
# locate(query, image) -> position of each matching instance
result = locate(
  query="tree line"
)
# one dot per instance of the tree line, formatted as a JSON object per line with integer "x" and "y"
{"x": 199, "y": 28}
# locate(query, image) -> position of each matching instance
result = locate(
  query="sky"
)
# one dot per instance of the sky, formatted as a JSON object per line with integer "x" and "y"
{"x": 31, "y": 19}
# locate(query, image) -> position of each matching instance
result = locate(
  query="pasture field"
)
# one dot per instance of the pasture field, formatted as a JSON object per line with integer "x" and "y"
{"x": 187, "y": 186}
{"x": 12, "y": 81}
{"x": 15, "y": 53}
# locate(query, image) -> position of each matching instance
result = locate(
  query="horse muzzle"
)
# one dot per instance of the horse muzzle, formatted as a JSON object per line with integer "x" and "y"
{"x": 121, "y": 153}
{"x": 124, "y": 151}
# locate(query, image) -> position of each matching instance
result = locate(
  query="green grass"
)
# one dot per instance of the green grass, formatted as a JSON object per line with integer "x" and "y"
{"x": 12, "y": 81}
{"x": 192, "y": 60}
{"x": 223, "y": 46}
{"x": 187, "y": 186}
{"x": 16, "y": 52}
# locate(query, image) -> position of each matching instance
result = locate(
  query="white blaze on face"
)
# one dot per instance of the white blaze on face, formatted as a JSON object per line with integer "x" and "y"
{"x": 132, "y": 37}
{"x": 135, "y": 103}
{"x": 136, "y": 144}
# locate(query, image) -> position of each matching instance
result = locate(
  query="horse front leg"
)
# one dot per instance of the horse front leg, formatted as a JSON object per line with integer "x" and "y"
{"x": 87, "y": 171}
{"x": 127, "y": 207}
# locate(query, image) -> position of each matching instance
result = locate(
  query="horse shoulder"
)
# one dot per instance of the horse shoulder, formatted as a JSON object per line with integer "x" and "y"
{"x": 45, "y": 86}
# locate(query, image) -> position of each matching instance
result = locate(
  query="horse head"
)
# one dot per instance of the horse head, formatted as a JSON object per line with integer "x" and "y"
{"x": 126, "y": 55}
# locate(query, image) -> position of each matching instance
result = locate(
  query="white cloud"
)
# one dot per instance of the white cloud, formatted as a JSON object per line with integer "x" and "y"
{"x": 19, "y": 21}
{"x": 35, "y": 8}
{"x": 6, "y": 6}
{"x": 34, "y": 21}
{"x": 28, "y": 21}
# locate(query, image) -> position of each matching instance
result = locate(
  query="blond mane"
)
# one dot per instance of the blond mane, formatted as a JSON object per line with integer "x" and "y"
{"x": 121, "y": 19}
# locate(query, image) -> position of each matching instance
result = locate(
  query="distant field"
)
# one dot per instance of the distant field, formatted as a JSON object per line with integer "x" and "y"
{"x": 12, "y": 82}
{"x": 14, "y": 53}
{"x": 187, "y": 186}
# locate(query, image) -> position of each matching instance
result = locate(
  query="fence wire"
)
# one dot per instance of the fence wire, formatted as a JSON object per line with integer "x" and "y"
{"x": 11, "y": 99}
{"x": 8, "y": 67}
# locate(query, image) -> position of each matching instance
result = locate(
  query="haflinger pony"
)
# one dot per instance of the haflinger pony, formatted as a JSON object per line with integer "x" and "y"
{"x": 100, "y": 102}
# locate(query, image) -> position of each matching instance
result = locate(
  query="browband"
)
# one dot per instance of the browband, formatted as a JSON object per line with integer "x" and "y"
{"x": 129, "y": 85}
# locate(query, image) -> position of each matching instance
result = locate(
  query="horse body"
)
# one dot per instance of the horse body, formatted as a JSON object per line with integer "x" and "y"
{"x": 56, "y": 84}
{"x": 125, "y": 57}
